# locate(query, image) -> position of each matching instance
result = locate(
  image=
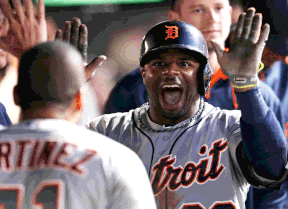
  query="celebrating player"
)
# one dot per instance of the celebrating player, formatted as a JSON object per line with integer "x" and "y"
{"x": 199, "y": 156}
{"x": 213, "y": 19}
{"x": 49, "y": 161}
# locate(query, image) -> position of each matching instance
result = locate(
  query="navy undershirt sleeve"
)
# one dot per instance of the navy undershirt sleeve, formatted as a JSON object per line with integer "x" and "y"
{"x": 4, "y": 118}
{"x": 264, "y": 142}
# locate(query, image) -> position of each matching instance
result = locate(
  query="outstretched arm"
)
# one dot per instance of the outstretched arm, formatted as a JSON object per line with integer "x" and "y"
{"x": 264, "y": 142}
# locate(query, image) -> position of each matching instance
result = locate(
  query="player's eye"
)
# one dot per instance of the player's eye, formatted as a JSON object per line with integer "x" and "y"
{"x": 188, "y": 64}
{"x": 158, "y": 64}
{"x": 219, "y": 7}
{"x": 185, "y": 64}
{"x": 197, "y": 10}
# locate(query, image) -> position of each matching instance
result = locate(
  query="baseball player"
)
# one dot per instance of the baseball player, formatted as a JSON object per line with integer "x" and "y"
{"x": 199, "y": 156}
{"x": 213, "y": 19}
{"x": 49, "y": 162}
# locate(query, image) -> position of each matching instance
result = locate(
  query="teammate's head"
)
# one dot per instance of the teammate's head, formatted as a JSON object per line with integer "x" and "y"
{"x": 174, "y": 67}
{"x": 211, "y": 17}
{"x": 50, "y": 76}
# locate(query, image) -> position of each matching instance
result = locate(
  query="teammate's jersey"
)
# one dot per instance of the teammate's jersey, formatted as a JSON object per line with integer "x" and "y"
{"x": 56, "y": 164}
{"x": 193, "y": 165}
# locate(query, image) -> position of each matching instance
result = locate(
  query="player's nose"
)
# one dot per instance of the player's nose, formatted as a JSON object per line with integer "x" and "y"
{"x": 171, "y": 70}
{"x": 212, "y": 16}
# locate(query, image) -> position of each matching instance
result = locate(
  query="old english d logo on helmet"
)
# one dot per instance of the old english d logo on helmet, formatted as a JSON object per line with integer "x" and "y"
{"x": 178, "y": 35}
{"x": 172, "y": 32}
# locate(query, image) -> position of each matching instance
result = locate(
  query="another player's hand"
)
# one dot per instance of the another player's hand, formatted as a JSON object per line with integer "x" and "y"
{"x": 7, "y": 62}
{"x": 242, "y": 62}
{"x": 25, "y": 28}
{"x": 77, "y": 34}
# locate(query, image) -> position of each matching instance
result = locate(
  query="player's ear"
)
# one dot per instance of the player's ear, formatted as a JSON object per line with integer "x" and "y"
{"x": 75, "y": 109}
{"x": 16, "y": 96}
{"x": 78, "y": 101}
{"x": 173, "y": 15}
{"x": 143, "y": 73}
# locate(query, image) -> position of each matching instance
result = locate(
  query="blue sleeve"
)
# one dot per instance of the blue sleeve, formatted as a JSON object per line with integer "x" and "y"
{"x": 273, "y": 102}
{"x": 263, "y": 139}
{"x": 128, "y": 94}
{"x": 119, "y": 100}
{"x": 4, "y": 118}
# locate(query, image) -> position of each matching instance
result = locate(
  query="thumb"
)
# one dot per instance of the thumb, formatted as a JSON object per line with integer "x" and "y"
{"x": 91, "y": 67}
{"x": 218, "y": 49}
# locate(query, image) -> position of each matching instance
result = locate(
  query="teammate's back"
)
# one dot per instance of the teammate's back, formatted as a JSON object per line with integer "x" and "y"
{"x": 48, "y": 161}
{"x": 60, "y": 165}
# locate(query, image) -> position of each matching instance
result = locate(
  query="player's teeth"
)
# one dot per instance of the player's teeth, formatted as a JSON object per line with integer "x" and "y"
{"x": 172, "y": 97}
{"x": 170, "y": 86}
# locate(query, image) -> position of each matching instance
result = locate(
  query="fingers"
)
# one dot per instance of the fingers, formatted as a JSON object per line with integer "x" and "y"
{"x": 249, "y": 26}
{"x": 247, "y": 22}
{"x": 41, "y": 10}
{"x": 59, "y": 35}
{"x": 90, "y": 69}
{"x": 6, "y": 9}
{"x": 76, "y": 34}
{"x": 239, "y": 26}
{"x": 19, "y": 9}
{"x": 75, "y": 24}
{"x": 30, "y": 9}
{"x": 83, "y": 41}
{"x": 256, "y": 28}
{"x": 264, "y": 35}
{"x": 67, "y": 31}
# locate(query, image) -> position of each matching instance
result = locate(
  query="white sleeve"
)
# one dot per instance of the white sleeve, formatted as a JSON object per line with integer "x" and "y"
{"x": 132, "y": 188}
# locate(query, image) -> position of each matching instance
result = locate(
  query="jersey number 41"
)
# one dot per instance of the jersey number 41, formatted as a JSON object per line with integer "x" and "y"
{"x": 48, "y": 194}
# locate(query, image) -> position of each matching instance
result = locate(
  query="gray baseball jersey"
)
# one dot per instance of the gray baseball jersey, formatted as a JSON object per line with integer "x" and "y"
{"x": 52, "y": 163}
{"x": 192, "y": 165}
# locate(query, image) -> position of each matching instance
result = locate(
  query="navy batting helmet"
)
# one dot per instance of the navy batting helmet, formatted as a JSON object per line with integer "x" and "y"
{"x": 183, "y": 36}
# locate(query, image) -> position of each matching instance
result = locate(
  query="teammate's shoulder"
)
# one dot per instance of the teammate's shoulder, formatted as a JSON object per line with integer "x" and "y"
{"x": 113, "y": 116}
{"x": 108, "y": 119}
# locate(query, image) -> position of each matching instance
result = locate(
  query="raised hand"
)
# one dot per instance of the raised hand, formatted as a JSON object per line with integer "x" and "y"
{"x": 26, "y": 29}
{"x": 242, "y": 62}
{"x": 77, "y": 34}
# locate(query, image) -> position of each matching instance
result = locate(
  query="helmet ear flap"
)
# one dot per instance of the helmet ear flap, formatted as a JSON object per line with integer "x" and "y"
{"x": 204, "y": 78}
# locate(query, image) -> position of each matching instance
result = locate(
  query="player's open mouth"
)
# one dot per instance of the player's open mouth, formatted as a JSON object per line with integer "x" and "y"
{"x": 171, "y": 94}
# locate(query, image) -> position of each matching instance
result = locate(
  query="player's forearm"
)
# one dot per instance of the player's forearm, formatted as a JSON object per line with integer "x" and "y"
{"x": 263, "y": 139}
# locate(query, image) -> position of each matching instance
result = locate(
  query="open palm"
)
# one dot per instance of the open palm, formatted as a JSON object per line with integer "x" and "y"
{"x": 25, "y": 29}
{"x": 76, "y": 33}
{"x": 244, "y": 57}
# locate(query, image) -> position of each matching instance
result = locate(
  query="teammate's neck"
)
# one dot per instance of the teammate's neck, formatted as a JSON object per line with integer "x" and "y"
{"x": 213, "y": 61}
